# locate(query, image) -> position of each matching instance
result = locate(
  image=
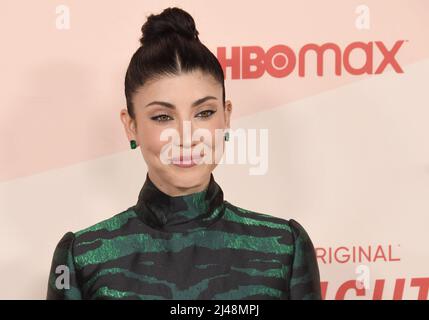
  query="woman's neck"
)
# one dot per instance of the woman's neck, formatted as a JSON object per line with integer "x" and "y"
{"x": 175, "y": 191}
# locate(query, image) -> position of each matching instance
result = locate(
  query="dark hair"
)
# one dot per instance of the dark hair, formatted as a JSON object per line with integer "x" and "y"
{"x": 169, "y": 46}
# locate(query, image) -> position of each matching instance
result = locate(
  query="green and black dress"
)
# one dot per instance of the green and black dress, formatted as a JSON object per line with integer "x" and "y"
{"x": 196, "y": 246}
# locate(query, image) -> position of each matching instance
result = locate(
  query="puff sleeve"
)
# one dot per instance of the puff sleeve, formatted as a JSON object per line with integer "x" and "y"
{"x": 304, "y": 275}
{"x": 63, "y": 282}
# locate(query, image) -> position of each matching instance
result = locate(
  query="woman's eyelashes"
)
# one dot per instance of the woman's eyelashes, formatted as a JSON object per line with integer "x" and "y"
{"x": 206, "y": 113}
{"x": 161, "y": 118}
{"x": 203, "y": 115}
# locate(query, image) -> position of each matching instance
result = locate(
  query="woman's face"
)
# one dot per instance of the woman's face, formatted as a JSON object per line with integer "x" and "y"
{"x": 182, "y": 105}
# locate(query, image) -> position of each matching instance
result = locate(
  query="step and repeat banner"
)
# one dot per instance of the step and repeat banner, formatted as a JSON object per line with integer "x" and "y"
{"x": 338, "y": 88}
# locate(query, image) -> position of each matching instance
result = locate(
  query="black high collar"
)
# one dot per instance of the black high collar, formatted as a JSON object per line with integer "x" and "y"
{"x": 179, "y": 213}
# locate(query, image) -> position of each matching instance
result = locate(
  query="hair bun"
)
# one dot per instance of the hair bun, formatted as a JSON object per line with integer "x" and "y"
{"x": 170, "y": 21}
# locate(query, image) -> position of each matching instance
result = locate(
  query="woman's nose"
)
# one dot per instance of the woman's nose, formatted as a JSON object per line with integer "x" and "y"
{"x": 185, "y": 129}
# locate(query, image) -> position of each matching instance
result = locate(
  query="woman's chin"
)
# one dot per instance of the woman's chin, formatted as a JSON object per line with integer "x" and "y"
{"x": 188, "y": 177}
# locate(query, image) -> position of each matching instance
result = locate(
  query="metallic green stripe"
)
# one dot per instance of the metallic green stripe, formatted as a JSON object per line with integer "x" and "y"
{"x": 272, "y": 273}
{"x": 190, "y": 293}
{"x": 120, "y": 246}
{"x": 232, "y": 216}
{"x": 245, "y": 291}
{"x": 111, "y": 224}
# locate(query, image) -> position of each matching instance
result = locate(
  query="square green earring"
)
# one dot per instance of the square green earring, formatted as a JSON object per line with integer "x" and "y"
{"x": 133, "y": 144}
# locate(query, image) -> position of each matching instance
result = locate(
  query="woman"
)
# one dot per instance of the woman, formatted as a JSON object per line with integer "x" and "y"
{"x": 182, "y": 240}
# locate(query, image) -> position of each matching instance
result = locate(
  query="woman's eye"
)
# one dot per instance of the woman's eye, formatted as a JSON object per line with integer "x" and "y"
{"x": 205, "y": 113}
{"x": 161, "y": 118}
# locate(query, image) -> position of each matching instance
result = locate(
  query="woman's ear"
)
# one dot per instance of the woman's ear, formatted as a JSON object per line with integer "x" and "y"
{"x": 129, "y": 125}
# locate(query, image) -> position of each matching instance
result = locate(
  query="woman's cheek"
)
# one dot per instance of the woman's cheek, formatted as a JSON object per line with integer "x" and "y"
{"x": 150, "y": 143}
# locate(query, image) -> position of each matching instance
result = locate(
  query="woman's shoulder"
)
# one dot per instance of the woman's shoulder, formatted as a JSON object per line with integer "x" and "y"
{"x": 263, "y": 219}
{"x": 111, "y": 224}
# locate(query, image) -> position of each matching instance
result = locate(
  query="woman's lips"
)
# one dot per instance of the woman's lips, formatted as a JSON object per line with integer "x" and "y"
{"x": 186, "y": 161}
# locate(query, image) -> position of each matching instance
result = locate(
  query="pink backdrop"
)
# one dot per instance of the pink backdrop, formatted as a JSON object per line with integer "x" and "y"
{"x": 348, "y": 140}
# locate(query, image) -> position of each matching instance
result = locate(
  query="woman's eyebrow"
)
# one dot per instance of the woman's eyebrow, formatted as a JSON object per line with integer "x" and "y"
{"x": 172, "y": 106}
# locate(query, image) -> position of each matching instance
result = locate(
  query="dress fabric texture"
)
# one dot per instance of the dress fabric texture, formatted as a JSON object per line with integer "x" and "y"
{"x": 196, "y": 246}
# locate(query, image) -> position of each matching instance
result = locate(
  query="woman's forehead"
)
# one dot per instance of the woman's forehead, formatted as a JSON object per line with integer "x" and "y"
{"x": 178, "y": 89}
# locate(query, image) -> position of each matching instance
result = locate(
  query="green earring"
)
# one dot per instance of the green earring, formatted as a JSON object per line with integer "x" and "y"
{"x": 226, "y": 136}
{"x": 133, "y": 144}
